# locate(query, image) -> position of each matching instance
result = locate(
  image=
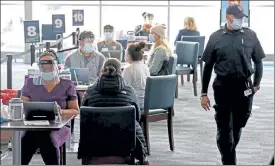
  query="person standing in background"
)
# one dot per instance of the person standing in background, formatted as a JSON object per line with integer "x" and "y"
{"x": 144, "y": 30}
{"x": 190, "y": 29}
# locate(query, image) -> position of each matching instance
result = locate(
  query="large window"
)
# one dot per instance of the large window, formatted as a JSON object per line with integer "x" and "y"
{"x": 68, "y": 2}
{"x": 127, "y": 18}
{"x": 12, "y": 32}
{"x": 261, "y": 3}
{"x": 207, "y": 19}
{"x": 262, "y": 22}
{"x": 43, "y": 13}
{"x": 196, "y": 3}
{"x": 135, "y": 3}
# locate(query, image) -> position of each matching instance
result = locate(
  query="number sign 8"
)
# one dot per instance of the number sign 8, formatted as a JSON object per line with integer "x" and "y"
{"x": 31, "y": 31}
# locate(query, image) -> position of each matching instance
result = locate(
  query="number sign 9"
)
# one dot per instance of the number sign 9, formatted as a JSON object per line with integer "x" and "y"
{"x": 78, "y": 17}
{"x": 58, "y": 22}
{"x": 31, "y": 31}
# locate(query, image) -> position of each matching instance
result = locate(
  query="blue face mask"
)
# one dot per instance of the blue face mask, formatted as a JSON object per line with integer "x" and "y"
{"x": 151, "y": 38}
{"x": 236, "y": 24}
{"x": 47, "y": 76}
{"x": 108, "y": 35}
{"x": 87, "y": 48}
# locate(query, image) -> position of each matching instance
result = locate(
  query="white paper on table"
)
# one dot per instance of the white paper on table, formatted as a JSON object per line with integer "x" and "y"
{"x": 37, "y": 123}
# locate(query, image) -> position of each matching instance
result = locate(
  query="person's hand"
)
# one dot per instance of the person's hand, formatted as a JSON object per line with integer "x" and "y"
{"x": 205, "y": 103}
{"x": 255, "y": 89}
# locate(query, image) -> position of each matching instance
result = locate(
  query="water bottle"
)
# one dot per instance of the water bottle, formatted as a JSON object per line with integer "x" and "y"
{"x": 16, "y": 109}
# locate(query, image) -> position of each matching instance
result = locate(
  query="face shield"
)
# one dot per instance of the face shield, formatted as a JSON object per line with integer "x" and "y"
{"x": 47, "y": 73}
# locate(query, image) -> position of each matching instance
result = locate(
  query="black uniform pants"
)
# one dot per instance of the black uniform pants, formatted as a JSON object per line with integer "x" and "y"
{"x": 232, "y": 111}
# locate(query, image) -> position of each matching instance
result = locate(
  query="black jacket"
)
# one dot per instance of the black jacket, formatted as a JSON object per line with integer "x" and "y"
{"x": 115, "y": 92}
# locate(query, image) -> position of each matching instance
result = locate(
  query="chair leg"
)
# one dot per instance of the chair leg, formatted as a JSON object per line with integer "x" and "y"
{"x": 64, "y": 153}
{"x": 61, "y": 155}
{"x": 195, "y": 84}
{"x": 170, "y": 129}
{"x": 72, "y": 126}
{"x": 177, "y": 87}
{"x": 188, "y": 75}
{"x": 182, "y": 79}
{"x": 146, "y": 134}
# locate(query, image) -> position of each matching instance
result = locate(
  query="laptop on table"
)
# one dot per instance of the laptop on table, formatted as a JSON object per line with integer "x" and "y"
{"x": 80, "y": 76}
{"x": 39, "y": 110}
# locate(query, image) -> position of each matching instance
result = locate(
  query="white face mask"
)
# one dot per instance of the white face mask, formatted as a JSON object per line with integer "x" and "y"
{"x": 108, "y": 35}
{"x": 236, "y": 24}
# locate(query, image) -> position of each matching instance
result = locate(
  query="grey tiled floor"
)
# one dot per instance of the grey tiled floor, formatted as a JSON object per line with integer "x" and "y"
{"x": 194, "y": 129}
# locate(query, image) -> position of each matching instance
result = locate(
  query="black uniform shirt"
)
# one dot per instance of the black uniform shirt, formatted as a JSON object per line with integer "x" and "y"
{"x": 225, "y": 48}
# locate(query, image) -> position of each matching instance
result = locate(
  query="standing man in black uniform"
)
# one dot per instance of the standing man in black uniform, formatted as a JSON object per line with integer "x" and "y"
{"x": 230, "y": 50}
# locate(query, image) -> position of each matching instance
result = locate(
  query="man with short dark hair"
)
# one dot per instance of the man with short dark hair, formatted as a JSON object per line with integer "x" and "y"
{"x": 109, "y": 47}
{"x": 86, "y": 56}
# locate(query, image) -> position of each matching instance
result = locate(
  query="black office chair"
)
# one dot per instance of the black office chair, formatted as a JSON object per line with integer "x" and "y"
{"x": 272, "y": 161}
{"x": 107, "y": 135}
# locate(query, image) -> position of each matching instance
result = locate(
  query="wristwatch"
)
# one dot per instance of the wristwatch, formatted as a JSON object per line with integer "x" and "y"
{"x": 203, "y": 94}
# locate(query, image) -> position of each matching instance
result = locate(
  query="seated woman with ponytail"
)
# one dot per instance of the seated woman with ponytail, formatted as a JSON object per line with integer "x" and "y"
{"x": 160, "y": 51}
{"x": 107, "y": 92}
{"x": 136, "y": 72}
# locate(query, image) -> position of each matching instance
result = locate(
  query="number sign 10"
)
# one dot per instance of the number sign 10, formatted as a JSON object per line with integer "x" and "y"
{"x": 78, "y": 17}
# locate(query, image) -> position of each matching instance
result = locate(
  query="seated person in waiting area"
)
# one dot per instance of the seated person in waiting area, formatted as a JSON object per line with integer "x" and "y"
{"x": 190, "y": 29}
{"x": 110, "y": 90}
{"x": 109, "y": 44}
{"x": 47, "y": 86}
{"x": 86, "y": 56}
{"x": 136, "y": 72}
{"x": 160, "y": 51}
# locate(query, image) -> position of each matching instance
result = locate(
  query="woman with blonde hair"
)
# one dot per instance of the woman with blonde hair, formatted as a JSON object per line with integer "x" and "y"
{"x": 160, "y": 51}
{"x": 190, "y": 29}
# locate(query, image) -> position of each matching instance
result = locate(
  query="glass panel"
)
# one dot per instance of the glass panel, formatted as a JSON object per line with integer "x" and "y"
{"x": 262, "y": 22}
{"x": 205, "y": 25}
{"x": 201, "y": 3}
{"x": 66, "y": 2}
{"x": 136, "y": 3}
{"x": 12, "y": 2}
{"x": 119, "y": 18}
{"x": 12, "y": 31}
{"x": 261, "y": 3}
{"x": 43, "y": 13}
